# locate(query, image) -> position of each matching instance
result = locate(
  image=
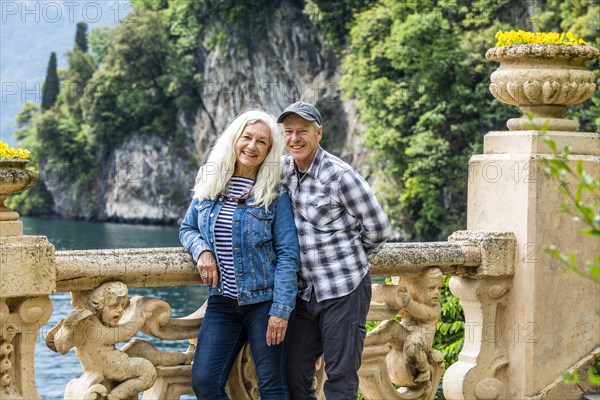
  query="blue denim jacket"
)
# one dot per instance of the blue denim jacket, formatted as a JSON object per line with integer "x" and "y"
{"x": 265, "y": 246}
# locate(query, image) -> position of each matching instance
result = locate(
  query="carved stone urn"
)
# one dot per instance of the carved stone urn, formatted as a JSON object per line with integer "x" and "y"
{"x": 542, "y": 80}
{"x": 14, "y": 178}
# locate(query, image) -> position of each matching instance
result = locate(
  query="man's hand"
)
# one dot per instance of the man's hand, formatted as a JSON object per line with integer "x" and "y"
{"x": 207, "y": 266}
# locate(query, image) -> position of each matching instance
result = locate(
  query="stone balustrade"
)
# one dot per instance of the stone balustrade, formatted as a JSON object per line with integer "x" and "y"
{"x": 87, "y": 269}
{"x": 483, "y": 259}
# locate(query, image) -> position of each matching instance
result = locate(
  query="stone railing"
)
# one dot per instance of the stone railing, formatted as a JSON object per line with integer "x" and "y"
{"x": 395, "y": 353}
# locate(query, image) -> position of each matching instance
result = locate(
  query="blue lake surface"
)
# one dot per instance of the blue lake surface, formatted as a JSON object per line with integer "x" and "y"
{"x": 54, "y": 371}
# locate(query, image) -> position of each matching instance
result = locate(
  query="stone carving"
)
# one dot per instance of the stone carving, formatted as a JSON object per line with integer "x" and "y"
{"x": 478, "y": 372}
{"x": 20, "y": 320}
{"x": 102, "y": 318}
{"x": 7, "y": 349}
{"x": 401, "y": 353}
{"x": 14, "y": 178}
{"x": 542, "y": 79}
{"x": 7, "y": 388}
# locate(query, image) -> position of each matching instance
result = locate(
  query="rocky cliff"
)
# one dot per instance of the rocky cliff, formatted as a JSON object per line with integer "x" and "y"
{"x": 148, "y": 178}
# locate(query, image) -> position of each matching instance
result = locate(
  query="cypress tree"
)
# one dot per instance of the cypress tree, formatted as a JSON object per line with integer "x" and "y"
{"x": 51, "y": 84}
{"x": 81, "y": 42}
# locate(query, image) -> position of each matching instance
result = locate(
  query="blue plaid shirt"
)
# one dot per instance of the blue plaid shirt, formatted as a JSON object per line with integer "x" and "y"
{"x": 339, "y": 223}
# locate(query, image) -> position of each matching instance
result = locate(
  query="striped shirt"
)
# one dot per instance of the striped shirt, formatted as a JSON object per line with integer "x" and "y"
{"x": 238, "y": 187}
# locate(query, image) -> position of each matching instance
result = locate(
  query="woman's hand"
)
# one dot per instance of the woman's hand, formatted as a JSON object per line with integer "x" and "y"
{"x": 276, "y": 330}
{"x": 207, "y": 266}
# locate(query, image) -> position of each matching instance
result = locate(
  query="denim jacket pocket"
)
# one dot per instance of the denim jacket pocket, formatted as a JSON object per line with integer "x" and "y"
{"x": 202, "y": 209}
{"x": 259, "y": 223}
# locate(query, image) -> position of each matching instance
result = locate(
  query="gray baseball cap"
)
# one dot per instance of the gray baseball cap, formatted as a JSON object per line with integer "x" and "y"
{"x": 304, "y": 110}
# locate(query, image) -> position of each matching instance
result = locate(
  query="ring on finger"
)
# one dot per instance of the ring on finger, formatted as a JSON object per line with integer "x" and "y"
{"x": 204, "y": 274}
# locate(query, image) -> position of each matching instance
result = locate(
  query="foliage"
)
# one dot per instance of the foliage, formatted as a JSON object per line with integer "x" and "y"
{"x": 521, "y": 37}
{"x": 37, "y": 200}
{"x": 80, "y": 71}
{"x": 335, "y": 17}
{"x": 81, "y": 42}
{"x": 593, "y": 374}
{"x": 154, "y": 5}
{"x": 449, "y": 336}
{"x": 97, "y": 42}
{"x": 140, "y": 76}
{"x": 423, "y": 118}
{"x": 421, "y": 81}
{"x": 128, "y": 92}
{"x": 220, "y": 20}
{"x": 51, "y": 86}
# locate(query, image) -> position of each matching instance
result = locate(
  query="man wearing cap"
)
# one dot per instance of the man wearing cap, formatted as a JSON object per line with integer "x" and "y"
{"x": 340, "y": 224}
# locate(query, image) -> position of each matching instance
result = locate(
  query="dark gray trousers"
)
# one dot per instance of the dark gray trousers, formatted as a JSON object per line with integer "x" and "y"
{"x": 333, "y": 328}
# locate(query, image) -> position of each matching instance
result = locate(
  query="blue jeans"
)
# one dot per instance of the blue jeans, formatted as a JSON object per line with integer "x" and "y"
{"x": 224, "y": 330}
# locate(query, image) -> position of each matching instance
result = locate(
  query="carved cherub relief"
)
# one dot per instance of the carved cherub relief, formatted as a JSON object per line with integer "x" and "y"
{"x": 411, "y": 362}
{"x": 100, "y": 319}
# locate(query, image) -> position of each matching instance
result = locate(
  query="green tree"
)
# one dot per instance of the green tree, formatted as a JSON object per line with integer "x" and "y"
{"x": 335, "y": 18}
{"x": 422, "y": 87}
{"x": 97, "y": 42}
{"x": 81, "y": 42}
{"x": 128, "y": 91}
{"x": 154, "y": 5}
{"x": 80, "y": 71}
{"x": 51, "y": 87}
{"x": 25, "y": 119}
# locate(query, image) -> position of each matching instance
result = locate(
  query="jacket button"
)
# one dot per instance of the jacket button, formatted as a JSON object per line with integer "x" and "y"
{"x": 212, "y": 215}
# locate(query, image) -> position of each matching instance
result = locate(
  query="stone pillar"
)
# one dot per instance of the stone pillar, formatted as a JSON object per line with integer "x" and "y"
{"x": 551, "y": 316}
{"x": 27, "y": 277}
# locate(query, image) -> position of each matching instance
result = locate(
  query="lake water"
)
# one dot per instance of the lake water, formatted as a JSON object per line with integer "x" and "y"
{"x": 54, "y": 371}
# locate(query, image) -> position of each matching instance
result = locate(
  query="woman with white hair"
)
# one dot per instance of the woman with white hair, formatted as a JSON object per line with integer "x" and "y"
{"x": 240, "y": 231}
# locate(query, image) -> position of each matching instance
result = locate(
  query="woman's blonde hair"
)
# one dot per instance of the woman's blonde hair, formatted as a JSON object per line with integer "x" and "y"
{"x": 213, "y": 177}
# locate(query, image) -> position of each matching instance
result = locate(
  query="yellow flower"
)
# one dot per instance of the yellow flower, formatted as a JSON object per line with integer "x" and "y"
{"x": 11, "y": 152}
{"x": 511, "y": 38}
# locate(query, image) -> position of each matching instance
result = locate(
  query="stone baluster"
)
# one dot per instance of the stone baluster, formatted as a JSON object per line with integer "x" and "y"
{"x": 478, "y": 373}
{"x": 27, "y": 277}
